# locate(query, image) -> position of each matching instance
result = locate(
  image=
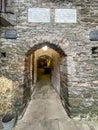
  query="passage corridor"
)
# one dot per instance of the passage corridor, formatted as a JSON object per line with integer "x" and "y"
{"x": 45, "y": 111}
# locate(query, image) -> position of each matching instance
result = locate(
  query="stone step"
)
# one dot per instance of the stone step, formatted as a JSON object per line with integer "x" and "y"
{"x": 82, "y": 126}
{"x": 67, "y": 125}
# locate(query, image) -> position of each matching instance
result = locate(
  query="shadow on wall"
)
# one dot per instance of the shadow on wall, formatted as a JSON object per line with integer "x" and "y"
{"x": 64, "y": 84}
{"x": 27, "y": 81}
{"x": 60, "y": 79}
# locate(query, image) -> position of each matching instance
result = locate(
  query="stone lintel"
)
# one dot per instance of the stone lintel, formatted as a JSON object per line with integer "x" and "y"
{"x": 7, "y": 19}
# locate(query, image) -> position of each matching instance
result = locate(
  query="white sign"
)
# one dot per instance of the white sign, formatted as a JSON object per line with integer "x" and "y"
{"x": 65, "y": 16}
{"x": 38, "y": 15}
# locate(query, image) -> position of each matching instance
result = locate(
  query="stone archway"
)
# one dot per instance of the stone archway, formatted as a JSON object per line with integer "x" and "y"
{"x": 35, "y": 52}
{"x": 59, "y": 73}
{"x": 55, "y": 41}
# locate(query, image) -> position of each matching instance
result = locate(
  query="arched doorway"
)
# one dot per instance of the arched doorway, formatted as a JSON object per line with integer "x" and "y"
{"x": 44, "y": 67}
{"x": 37, "y": 65}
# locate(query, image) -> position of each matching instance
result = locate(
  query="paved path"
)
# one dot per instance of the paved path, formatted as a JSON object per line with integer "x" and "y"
{"x": 45, "y": 112}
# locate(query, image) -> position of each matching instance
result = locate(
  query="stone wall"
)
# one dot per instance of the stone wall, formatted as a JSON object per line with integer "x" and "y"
{"x": 56, "y": 71}
{"x": 64, "y": 83}
{"x": 79, "y": 74}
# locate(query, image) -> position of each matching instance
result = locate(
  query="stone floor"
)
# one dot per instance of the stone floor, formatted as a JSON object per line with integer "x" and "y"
{"x": 45, "y": 112}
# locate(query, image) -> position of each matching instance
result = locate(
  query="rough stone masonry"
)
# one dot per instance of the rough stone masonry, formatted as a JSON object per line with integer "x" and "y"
{"x": 65, "y": 27}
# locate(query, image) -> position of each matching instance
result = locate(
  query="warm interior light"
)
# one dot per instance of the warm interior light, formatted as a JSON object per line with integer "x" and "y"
{"x": 45, "y": 48}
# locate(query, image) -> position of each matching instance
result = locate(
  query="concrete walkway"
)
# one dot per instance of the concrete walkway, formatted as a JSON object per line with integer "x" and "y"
{"x": 45, "y": 112}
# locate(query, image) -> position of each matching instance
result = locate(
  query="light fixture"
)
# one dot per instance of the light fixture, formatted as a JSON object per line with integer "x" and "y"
{"x": 45, "y": 48}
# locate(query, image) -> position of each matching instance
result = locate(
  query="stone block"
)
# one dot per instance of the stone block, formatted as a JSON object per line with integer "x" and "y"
{"x": 75, "y": 102}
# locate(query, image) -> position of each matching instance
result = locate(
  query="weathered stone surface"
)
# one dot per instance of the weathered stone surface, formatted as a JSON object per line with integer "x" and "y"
{"x": 10, "y": 18}
{"x": 10, "y": 34}
{"x": 77, "y": 72}
{"x": 94, "y": 35}
{"x": 38, "y": 15}
{"x": 6, "y": 87}
{"x": 65, "y": 16}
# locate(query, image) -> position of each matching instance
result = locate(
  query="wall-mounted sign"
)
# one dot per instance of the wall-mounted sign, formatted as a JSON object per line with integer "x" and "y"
{"x": 93, "y": 35}
{"x": 65, "y": 16}
{"x": 38, "y": 15}
{"x": 10, "y": 34}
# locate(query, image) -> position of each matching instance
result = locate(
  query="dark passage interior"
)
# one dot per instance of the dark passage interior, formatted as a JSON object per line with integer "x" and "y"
{"x": 44, "y": 66}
